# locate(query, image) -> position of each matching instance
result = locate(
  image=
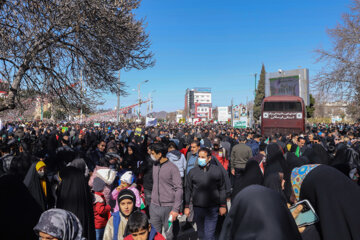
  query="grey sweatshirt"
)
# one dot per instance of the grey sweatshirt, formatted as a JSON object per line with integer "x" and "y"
{"x": 167, "y": 187}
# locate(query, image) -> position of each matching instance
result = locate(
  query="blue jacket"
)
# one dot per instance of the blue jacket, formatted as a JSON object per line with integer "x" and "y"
{"x": 254, "y": 145}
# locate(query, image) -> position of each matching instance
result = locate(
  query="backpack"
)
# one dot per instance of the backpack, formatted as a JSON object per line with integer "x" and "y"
{"x": 116, "y": 223}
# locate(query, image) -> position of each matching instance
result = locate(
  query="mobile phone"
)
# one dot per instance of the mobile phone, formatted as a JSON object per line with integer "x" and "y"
{"x": 307, "y": 215}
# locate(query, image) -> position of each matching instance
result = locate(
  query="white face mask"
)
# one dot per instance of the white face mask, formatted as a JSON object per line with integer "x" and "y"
{"x": 153, "y": 158}
{"x": 41, "y": 173}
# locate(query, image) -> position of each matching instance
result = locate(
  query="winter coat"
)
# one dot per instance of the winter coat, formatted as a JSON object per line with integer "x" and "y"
{"x": 110, "y": 229}
{"x": 254, "y": 145}
{"x": 147, "y": 171}
{"x": 206, "y": 187}
{"x": 167, "y": 188}
{"x": 101, "y": 211}
{"x": 108, "y": 176}
{"x": 178, "y": 159}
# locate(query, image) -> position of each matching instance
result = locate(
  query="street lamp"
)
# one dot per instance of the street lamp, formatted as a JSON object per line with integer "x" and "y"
{"x": 139, "y": 96}
{"x": 149, "y": 108}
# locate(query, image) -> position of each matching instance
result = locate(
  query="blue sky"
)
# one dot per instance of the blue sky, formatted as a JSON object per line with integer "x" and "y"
{"x": 221, "y": 44}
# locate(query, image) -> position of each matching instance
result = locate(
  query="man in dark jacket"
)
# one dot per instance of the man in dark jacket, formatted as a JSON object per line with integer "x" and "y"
{"x": 205, "y": 185}
{"x": 94, "y": 157}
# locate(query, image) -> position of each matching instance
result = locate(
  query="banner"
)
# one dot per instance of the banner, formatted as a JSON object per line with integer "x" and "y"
{"x": 242, "y": 123}
{"x": 138, "y": 131}
{"x": 223, "y": 114}
{"x": 150, "y": 122}
{"x": 64, "y": 129}
{"x": 288, "y": 85}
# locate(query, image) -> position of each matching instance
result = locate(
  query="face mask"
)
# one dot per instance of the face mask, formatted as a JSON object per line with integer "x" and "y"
{"x": 153, "y": 158}
{"x": 202, "y": 162}
{"x": 41, "y": 173}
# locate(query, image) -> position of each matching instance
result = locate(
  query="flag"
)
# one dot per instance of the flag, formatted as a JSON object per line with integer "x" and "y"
{"x": 151, "y": 122}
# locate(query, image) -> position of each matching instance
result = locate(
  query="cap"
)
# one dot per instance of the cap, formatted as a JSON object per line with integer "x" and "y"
{"x": 39, "y": 165}
{"x": 98, "y": 185}
{"x": 127, "y": 177}
{"x": 126, "y": 194}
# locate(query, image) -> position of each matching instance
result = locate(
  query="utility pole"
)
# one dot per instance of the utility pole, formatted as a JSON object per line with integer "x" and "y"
{"x": 232, "y": 114}
{"x": 81, "y": 96}
{"x": 148, "y": 105}
{"x": 139, "y": 99}
{"x": 255, "y": 85}
{"x": 118, "y": 103}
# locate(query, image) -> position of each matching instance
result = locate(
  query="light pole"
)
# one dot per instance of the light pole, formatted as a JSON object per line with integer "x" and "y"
{"x": 139, "y": 97}
{"x": 149, "y": 107}
{"x": 118, "y": 103}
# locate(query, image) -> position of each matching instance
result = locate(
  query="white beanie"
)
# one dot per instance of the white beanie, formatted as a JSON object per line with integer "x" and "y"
{"x": 127, "y": 177}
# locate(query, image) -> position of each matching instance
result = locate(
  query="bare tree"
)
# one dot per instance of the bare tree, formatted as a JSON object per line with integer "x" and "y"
{"x": 48, "y": 45}
{"x": 341, "y": 75}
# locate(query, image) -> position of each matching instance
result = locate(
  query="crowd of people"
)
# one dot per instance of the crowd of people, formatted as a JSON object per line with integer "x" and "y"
{"x": 127, "y": 181}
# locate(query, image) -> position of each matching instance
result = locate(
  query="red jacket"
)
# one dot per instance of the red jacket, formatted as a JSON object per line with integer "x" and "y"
{"x": 222, "y": 158}
{"x": 101, "y": 211}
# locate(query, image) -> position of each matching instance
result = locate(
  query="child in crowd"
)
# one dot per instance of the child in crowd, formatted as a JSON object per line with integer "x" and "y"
{"x": 139, "y": 228}
{"x": 101, "y": 209}
{"x": 126, "y": 182}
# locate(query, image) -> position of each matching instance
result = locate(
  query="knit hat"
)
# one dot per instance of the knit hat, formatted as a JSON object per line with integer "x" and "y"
{"x": 126, "y": 194}
{"x": 39, "y": 165}
{"x": 98, "y": 185}
{"x": 127, "y": 177}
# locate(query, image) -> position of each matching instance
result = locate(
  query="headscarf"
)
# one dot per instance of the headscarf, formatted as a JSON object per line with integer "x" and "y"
{"x": 298, "y": 175}
{"x": 317, "y": 155}
{"x": 80, "y": 164}
{"x": 74, "y": 196}
{"x": 346, "y": 160}
{"x": 273, "y": 182}
{"x": 335, "y": 198}
{"x": 129, "y": 161}
{"x": 275, "y": 161}
{"x": 259, "y": 213}
{"x": 60, "y": 224}
{"x": 18, "y": 209}
{"x": 32, "y": 182}
{"x": 252, "y": 175}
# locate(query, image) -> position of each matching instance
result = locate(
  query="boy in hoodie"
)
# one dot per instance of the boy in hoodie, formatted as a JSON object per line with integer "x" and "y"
{"x": 116, "y": 226}
{"x": 101, "y": 209}
{"x": 139, "y": 228}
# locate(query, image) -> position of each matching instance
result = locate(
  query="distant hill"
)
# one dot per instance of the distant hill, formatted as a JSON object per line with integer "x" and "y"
{"x": 159, "y": 115}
